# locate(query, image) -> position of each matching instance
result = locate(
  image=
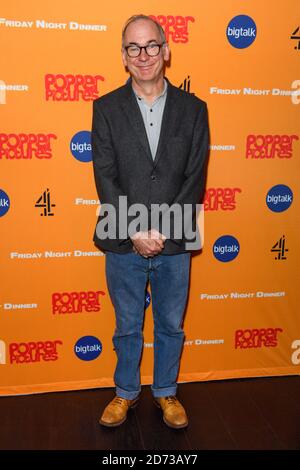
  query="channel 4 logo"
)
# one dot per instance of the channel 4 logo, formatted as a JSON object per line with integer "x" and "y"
{"x": 4, "y": 203}
{"x": 81, "y": 147}
{"x": 226, "y": 248}
{"x": 241, "y": 31}
{"x": 279, "y": 198}
{"x": 44, "y": 202}
{"x": 88, "y": 348}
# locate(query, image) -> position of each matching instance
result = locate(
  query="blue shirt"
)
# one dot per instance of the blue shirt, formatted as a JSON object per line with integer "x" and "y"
{"x": 152, "y": 117}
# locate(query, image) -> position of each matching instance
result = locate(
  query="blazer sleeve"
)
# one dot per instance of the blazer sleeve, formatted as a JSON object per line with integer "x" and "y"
{"x": 105, "y": 167}
{"x": 193, "y": 186}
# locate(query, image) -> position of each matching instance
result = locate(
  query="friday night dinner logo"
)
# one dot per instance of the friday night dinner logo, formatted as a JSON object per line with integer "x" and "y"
{"x": 43, "y": 24}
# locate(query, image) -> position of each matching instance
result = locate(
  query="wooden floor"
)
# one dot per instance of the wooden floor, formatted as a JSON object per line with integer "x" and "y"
{"x": 248, "y": 414}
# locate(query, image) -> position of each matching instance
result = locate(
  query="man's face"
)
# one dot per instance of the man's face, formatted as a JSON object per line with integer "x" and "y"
{"x": 144, "y": 68}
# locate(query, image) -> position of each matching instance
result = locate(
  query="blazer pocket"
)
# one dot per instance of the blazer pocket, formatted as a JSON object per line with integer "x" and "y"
{"x": 177, "y": 140}
{"x": 178, "y": 145}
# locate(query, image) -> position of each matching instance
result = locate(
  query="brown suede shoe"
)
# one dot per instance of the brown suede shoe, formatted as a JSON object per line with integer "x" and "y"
{"x": 116, "y": 411}
{"x": 173, "y": 412}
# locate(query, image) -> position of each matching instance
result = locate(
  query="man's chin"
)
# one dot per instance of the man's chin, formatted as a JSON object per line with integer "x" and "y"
{"x": 147, "y": 73}
{"x": 146, "y": 79}
{"x": 143, "y": 78}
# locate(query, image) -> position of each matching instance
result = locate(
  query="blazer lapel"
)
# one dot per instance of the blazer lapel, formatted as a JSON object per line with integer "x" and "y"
{"x": 135, "y": 118}
{"x": 166, "y": 124}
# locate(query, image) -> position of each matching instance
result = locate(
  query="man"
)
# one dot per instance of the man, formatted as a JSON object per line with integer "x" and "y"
{"x": 150, "y": 146}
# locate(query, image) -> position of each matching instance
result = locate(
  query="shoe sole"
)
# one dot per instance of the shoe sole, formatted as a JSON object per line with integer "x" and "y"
{"x": 118, "y": 423}
{"x": 173, "y": 426}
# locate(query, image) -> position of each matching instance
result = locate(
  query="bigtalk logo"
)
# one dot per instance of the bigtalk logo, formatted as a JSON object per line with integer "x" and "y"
{"x": 279, "y": 198}
{"x": 4, "y": 203}
{"x": 81, "y": 147}
{"x": 88, "y": 348}
{"x": 241, "y": 31}
{"x": 147, "y": 299}
{"x": 226, "y": 248}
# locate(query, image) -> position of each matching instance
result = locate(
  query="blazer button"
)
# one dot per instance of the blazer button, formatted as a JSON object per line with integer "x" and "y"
{"x": 153, "y": 177}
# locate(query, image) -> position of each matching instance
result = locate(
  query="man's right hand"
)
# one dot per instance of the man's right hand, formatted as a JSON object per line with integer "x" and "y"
{"x": 147, "y": 244}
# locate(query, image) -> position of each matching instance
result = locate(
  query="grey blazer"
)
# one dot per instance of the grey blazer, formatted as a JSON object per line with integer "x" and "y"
{"x": 123, "y": 164}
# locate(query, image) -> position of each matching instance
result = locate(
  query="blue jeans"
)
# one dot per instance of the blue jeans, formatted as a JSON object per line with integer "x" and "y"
{"x": 127, "y": 276}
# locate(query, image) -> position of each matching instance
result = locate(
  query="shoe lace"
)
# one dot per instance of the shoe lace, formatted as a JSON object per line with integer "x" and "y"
{"x": 172, "y": 400}
{"x": 118, "y": 401}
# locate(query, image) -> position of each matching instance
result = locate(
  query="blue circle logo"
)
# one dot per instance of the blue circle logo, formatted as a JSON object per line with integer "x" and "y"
{"x": 241, "y": 31}
{"x": 81, "y": 147}
{"x": 226, "y": 248}
{"x": 4, "y": 203}
{"x": 279, "y": 198}
{"x": 88, "y": 348}
{"x": 147, "y": 299}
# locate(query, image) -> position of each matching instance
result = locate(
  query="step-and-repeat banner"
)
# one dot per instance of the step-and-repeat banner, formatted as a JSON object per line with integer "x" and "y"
{"x": 56, "y": 317}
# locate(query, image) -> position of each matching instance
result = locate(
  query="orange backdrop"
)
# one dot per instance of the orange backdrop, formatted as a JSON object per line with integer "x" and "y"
{"x": 56, "y": 318}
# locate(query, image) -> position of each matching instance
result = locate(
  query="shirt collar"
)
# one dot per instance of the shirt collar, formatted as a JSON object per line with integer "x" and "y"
{"x": 160, "y": 96}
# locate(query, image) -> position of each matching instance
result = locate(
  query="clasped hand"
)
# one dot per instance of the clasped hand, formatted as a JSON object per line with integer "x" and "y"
{"x": 148, "y": 244}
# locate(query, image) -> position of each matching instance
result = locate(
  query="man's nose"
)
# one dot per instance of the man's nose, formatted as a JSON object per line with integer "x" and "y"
{"x": 143, "y": 55}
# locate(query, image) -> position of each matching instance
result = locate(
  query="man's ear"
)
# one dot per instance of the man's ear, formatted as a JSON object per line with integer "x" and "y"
{"x": 124, "y": 57}
{"x": 166, "y": 52}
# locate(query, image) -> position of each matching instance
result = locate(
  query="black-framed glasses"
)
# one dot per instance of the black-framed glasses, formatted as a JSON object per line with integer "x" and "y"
{"x": 152, "y": 50}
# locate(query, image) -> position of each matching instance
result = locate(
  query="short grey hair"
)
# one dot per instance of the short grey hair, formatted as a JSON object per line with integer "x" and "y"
{"x": 134, "y": 18}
